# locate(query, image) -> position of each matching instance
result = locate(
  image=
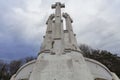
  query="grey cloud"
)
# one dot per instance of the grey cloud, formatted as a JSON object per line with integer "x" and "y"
{"x": 96, "y": 23}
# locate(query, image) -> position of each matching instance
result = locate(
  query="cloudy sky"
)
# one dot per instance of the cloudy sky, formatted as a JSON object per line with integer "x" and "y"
{"x": 22, "y": 25}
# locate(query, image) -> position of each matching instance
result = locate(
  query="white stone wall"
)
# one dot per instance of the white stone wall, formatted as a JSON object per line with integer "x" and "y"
{"x": 98, "y": 70}
{"x": 25, "y": 71}
{"x": 70, "y": 66}
{"x": 115, "y": 77}
{"x": 61, "y": 67}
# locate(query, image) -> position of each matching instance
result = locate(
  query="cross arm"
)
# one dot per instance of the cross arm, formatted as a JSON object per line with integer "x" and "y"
{"x": 58, "y": 4}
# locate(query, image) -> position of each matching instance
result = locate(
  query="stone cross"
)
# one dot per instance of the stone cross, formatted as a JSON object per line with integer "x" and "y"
{"x": 58, "y": 26}
{"x": 49, "y": 23}
{"x": 72, "y": 39}
{"x": 58, "y": 7}
{"x": 68, "y": 21}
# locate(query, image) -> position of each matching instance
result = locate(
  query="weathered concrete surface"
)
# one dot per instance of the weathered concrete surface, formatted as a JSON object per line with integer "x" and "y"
{"x": 69, "y": 66}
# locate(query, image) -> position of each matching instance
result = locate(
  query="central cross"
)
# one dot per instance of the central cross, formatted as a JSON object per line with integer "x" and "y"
{"x": 58, "y": 26}
{"x": 58, "y": 7}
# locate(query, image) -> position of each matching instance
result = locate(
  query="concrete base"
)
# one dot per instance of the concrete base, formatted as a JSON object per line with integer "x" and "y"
{"x": 61, "y": 67}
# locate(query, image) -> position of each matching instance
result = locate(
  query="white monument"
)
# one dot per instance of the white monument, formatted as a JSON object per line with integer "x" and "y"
{"x": 60, "y": 57}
